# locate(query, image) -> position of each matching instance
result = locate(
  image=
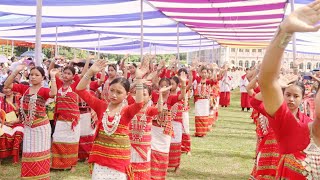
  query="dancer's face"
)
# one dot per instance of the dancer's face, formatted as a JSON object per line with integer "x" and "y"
{"x": 67, "y": 75}
{"x": 35, "y": 77}
{"x": 293, "y": 97}
{"x": 117, "y": 93}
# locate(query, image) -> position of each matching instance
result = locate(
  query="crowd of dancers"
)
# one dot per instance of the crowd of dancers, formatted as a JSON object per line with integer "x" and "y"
{"x": 135, "y": 124}
{"x": 128, "y": 125}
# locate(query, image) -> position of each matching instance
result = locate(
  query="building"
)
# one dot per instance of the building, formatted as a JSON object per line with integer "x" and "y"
{"x": 247, "y": 57}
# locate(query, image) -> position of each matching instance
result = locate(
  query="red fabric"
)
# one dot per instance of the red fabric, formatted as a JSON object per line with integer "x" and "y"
{"x": 144, "y": 145}
{"x": 64, "y": 155}
{"x": 130, "y": 99}
{"x": 67, "y": 107}
{"x": 172, "y": 99}
{"x": 10, "y": 145}
{"x": 159, "y": 165}
{"x": 174, "y": 155}
{"x": 141, "y": 170}
{"x": 287, "y": 128}
{"x": 269, "y": 156}
{"x": 85, "y": 146}
{"x": 224, "y": 98}
{"x": 186, "y": 143}
{"x": 201, "y": 123}
{"x": 245, "y": 100}
{"x": 39, "y": 169}
{"x": 102, "y": 154}
{"x": 94, "y": 85}
{"x": 24, "y": 89}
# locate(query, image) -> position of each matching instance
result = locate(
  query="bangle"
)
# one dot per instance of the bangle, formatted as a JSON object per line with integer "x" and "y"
{"x": 87, "y": 77}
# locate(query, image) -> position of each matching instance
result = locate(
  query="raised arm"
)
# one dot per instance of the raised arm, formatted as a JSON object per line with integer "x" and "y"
{"x": 183, "y": 79}
{"x": 301, "y": 20}
{"x": 98, "y": 66}
{"x": 10, "y": 79}
{"x": 53, "y": 88}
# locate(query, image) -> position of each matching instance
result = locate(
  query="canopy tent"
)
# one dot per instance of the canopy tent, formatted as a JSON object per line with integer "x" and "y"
{"x": 227, "y": 21}
{"x": 83, "y": 23}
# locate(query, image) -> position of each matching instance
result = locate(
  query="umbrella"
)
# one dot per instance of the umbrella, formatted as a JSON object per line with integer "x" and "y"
{"x": 3, "y": 59}
{"x": 31, "y": 54}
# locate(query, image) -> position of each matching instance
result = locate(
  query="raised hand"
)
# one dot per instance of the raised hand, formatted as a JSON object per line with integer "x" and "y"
{"x": 164, "y": 89}
{"x": 303, "y": 19}
{"x": 183, "y": 77}
{"x": 21, "y": 67}
{"x": 53, "y": 72}
{"x": 98, "y": 66}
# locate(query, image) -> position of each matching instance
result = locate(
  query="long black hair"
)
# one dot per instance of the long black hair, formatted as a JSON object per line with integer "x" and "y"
{"x": 123, "y": 81}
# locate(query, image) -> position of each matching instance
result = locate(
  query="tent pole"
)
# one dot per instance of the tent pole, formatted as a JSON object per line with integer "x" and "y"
{"x": 99, "y": 46}
{"x": 178, "y": 42}
{"x": 7, "y": 46}
{"x": 38, "y": 48}
{"x": 56, "y": 45}
{"x": 12, "y": 48}
{"x": 95, "y": 51}
{"x": 141, "y": 33}
{"x": 294, "y": 50}
{"x": 212, "y": 61}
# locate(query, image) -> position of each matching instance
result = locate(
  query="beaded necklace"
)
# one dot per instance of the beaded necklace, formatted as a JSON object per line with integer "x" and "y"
{"x": 110, "y": 127}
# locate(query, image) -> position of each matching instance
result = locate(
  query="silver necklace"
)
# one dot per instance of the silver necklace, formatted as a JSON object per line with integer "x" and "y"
{"x": 110, "y": 127}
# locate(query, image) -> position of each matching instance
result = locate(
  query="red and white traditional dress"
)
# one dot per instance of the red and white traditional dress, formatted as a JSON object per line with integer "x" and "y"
{"x": 177, "y": 124}
{"x": 214, "y": 104}
{"x": 87, "y": 122}
{"x": 65, "y": 139}
{"x": 186, "y": 138}
{"x": 110, "y": 153}
{"x": 267, "y": 156}
{"x": 201, "y": 105}
{"x": 225, "y": 88}
{"x": 245, "y": 98}
{"x": 161, "y": 132}
{"x": 37, "y": 133}
{"x": 10, "y": 141}
{"x": 140, "y": 137}
{"x": 299, "y": 154}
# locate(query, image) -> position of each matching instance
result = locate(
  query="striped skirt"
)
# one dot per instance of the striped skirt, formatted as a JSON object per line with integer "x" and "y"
{"x": 175, "y": 146}
{"x": 160, "y": 146}
{"x": 186, "y": 139}
{"x": 201, "y": 117}
{"x": 86, "y": 135}
{"x": 10, "y": 142}
{"x": 36, "y": 152}
{"x": 140, "y": 167}
{"x": 65, "y": 145}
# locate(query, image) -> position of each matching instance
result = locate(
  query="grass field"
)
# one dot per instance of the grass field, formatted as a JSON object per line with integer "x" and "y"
{"x": 226, "y": 153}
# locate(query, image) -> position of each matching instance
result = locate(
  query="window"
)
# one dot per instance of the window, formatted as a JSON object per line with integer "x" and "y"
{"x": 309, "y": 65}
{"x": 240, "y": 50}
{"x": 254, "y": 50}
{"x": 240, "y": 63}
{"x": 291, "y": 65}
{"x": 233, "y": 49}
{"x": 253, "y": 63}
{"x": 301, "y": 66}
{"x": 232, "y": 61}
{"x": 247, "y": 50}
{"x": 246, "y": 64}
{"x": 259, "y": 50}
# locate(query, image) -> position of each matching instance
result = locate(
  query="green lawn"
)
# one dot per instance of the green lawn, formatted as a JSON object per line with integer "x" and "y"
{"x": 226, "y": 153}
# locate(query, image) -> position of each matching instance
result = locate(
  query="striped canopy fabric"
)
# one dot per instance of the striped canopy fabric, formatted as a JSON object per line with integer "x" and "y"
{"x": 229, "y": 22}
{"x": 79, "y": 24}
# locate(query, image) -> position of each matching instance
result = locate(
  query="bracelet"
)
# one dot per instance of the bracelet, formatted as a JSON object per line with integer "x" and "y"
{"x": 87, "y": 77}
